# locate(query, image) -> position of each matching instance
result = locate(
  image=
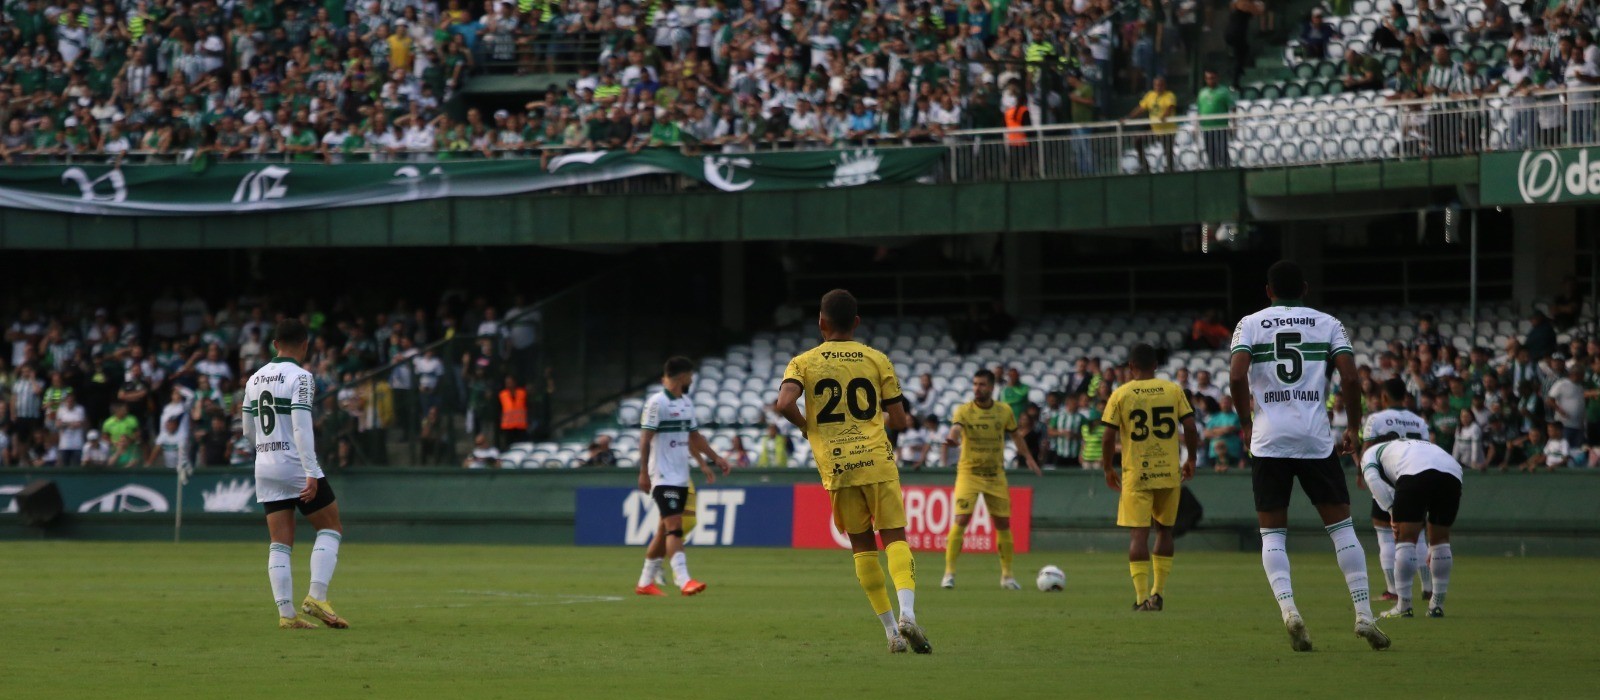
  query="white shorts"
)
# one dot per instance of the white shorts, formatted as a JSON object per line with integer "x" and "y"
{"x": 279, "y": 482}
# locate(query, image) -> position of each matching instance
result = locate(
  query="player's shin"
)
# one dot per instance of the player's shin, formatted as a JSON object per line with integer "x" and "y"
{"x": 1275, "y": 560}
{"x": 903, "y": 569}
{"x": 324, "y": 557}
{"x": 1140, "y": 571}
{"x": 282, "y": 579}
{"x": 1405, "y": 567}
{"x": 1353, "y": 562}
{"x": 1440, "y": 562}
{"x": 870, "y": 573}
{"x": 1386, "y": 555}
{"x": 1423, "y": 570}
{"x": 1004, "y": 544}
{"x": 1161, "y": 568}
{"x": 952, "y": 546}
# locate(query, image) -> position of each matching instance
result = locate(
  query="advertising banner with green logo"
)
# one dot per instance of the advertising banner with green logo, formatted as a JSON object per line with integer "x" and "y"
{"x": 242, "y": 188}
{"x": 1551, "y": 176}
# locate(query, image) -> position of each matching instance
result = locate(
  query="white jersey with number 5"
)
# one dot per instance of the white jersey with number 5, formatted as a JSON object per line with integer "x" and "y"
{"x": 277, "y": 422}
{"x": 1290, "y": 348}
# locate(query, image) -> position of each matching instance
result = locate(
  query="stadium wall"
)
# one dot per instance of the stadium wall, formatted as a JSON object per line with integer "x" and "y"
{"x": 1503, "y": 514}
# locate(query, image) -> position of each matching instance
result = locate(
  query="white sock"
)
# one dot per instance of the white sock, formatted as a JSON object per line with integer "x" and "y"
{"x": 890, "y": 627}
{"x": 1405, "y": 566}
{"x": 908, "y": 604}
{"x": 282, "y": 578}
{"x": 324, "y": 557}
{"x": 680, "y": 569}
{"x": 1422, "y": 563}
{"x": 1440, "y": 561}
{"x": 1275, "y": 559}
{"x": 648, "y": 575}
{"x": 1353, "y": 562}
{"x": 1386, "y": 556}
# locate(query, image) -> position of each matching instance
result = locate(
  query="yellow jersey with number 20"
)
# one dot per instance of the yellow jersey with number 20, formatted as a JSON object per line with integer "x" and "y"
{"x": 1147, "y": 413}
{"x": 846, "y": 386}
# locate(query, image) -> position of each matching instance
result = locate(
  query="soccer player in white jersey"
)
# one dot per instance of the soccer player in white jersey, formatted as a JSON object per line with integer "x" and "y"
{"x": 668, "y": 434}
{"x": 1426, "y": 484}
{"x": 1393, "y": 419}
{"x": 277, "y": 421}
{"x": 1281, "y": 358}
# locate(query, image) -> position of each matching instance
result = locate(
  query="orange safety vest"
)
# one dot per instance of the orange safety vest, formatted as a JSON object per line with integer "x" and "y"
{"x": 513, "y": 409}
{"x": 1014, "y": 123}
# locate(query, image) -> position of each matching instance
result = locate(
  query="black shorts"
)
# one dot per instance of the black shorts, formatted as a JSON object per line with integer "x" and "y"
{"x": 670, "y": 500}
{"x": 1378, "y": 513}
{"x": 1432, "y": 493}
{"x": 1273, "y": 479}
{"x": 323, "y": 499}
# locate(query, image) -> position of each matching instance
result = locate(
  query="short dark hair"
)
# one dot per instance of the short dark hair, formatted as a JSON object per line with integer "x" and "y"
{"x": 984, "y": 374}
{"x": 1395, "y": 389}
{"x": 677, "y": 365}
{"x": 839, "y": 307}
{"x": 291, "y": 332}
{"x": 1142, "y": 356}
{"x": 1286, "y": 280}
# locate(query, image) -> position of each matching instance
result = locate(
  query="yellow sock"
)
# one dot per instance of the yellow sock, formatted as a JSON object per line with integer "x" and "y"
{"x": 1005, "y": 547}
{"x": 902, "y": 566}
{"x": 1163, "y": 569}
{"x": 688, "y": 526}
{"x": 1141, "y": 580}
{"x": 952, "y": 546}
{"x": 870, "y": 574}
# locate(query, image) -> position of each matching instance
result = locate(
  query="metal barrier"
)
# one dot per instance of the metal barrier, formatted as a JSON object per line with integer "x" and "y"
{"x": 1350, "y": 127}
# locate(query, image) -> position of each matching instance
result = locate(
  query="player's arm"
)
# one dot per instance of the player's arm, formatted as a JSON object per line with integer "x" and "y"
{"x": 894, "y": 410}
{"x": 700, "y": 446}
{"x": 1382, "y": 492}
{"x": 305, "y": 441}
{"x": 953, "y": 438}
{"x": 1350, "y": 388}
{"x": 647, "y": 436}
{"x": 1022, "y": 449}
{"x": 1109, "y": 455}
{"x": 788, "y": 405}
{"x": 247, "y": 415}
{"x": 1239, "y": 388}
{"x": 1191, "y": 442}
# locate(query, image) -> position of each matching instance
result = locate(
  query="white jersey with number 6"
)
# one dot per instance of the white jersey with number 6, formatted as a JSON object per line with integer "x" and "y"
{"x": 1290, "y": 347}
{"x": 277, "y": 422}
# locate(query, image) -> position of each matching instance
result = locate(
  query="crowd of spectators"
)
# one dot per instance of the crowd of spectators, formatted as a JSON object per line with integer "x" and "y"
{"x": 340, "y": 79}
{"x": 160, "y": 385}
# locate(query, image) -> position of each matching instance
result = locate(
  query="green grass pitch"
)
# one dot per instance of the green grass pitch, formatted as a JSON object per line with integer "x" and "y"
{"x": 114, "y": 620}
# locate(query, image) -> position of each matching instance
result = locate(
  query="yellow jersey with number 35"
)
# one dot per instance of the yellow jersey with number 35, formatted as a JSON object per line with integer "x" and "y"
{"x": 846, "y": 386}
{"x": 1147, "y": 414}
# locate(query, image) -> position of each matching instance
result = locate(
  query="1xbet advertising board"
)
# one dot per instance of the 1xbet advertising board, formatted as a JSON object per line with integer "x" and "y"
{"x": 787, "y": 516}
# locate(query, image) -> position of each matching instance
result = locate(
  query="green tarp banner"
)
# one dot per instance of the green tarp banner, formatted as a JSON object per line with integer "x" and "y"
{"x": 226, "y": 188}
{"x": 1550, "y": 176}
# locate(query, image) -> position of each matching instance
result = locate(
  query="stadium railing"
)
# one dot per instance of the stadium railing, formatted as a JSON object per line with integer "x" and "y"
{"x": 1262, "y": 134}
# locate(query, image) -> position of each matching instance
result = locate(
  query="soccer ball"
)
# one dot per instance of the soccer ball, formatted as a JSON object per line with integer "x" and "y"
{"x": 1051, "y": 578}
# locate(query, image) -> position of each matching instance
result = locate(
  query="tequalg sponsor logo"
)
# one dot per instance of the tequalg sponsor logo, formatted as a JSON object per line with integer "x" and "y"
{"x": 1541, "y": 177}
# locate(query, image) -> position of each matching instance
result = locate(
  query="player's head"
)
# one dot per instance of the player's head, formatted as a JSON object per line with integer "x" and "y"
{"x": 677, "y": 374}
{"x": 839, "y": 316}
{"x": 1285, "y": 281}
{"x": 1394, "y": 392}
{"x": 1142, "y": 358}
{"x": 983, "y": 385}
{"x": 290, "y": 339}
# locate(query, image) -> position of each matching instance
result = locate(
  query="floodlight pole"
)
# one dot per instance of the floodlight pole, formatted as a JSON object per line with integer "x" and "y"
{"x": 1473, "y": 276}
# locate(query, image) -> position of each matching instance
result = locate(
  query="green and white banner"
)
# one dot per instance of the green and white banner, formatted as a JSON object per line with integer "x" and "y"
{"x": 241, "y": 188}
{"x": 1551, "y": 176}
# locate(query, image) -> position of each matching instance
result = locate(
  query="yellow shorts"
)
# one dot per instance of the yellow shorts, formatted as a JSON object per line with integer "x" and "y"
{"x": 1138, "y": 508}
{"x": 994, "y": 491}
{"x": 858, "y": 509}
{"x": 688, "y": 505}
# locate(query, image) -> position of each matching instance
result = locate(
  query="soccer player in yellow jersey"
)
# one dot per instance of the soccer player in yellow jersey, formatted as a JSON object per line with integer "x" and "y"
{"x": 981, "y": 426}
{"x": 1145, "y": 413}
{"x": 850, "y": 389}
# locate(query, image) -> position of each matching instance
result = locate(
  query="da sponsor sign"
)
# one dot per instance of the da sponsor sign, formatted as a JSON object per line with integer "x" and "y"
{"x": 930, "y": 510}
{"x": 756, "y": 516}
{"x": 1540, "y": 177}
